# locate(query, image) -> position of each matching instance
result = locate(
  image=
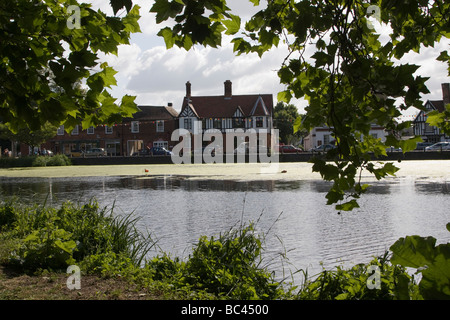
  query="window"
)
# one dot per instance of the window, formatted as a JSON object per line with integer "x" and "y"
{"x": 259, "y": 122}
{"x": 135, "y": 126}
{"x": 188, "y": 124}
{"x": 160, "y": 126}
{"x": 217, "y": 123}
{"x": 75, "y": 130}
{"x": 238, "y": 123}
{"x": 326, "y": 139}
{"x": 90, "y": 130}
{"x": 108, "y": 130}
{"x": 60, "y": 131}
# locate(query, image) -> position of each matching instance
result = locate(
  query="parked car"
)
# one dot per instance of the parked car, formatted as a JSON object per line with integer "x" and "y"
{"x": 142, "y": 152}
{"x": 289, "y": 149}
{"x": 159, "y": 151}
{"x": 46, "y": 152}
{"x": 439, "y": 146}
{"x": 323, "y": 148}
{"x": 423, "y": 145}
{"x": 95, "y": 152}
{"x": 393, "y": 149}
{"x": 76, "y": 153}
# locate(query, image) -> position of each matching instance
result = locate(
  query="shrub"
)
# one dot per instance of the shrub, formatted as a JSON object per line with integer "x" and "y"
{"x": 48, "y": 247}
{"x": 352, "y": 284}
{"x": 229, "y": 266}
{"x": 6, "y": 162}
{"x": 58, "y": 160}
{"x": 433, "y": 262}
{"x": 7, "y": 216}
{"x": 35, "y": 161}
{"x": 54, "y": 238}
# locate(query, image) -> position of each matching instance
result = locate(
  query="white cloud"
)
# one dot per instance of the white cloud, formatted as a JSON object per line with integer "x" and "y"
{"x": 157, "y": 76}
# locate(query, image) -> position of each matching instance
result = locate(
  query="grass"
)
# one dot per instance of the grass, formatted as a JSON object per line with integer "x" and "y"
{"x": 52, "y": 286}
{"x": 38, "y": 243}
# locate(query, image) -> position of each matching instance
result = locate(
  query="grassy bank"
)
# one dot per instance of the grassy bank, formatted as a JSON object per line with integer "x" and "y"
{"x": 38, "y": 243}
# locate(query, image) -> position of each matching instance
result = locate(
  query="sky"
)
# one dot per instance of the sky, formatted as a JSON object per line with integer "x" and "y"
{"x": 157, "y": 76}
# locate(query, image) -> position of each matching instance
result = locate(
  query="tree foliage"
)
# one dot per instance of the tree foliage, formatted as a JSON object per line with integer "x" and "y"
{"x": 30, "y": 138}
{"x": 46, "y": 48}
{"x": 351, "y": 80}
{"x": 284, "y": 118}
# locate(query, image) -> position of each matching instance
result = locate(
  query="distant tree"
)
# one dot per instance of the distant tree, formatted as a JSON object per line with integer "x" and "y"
{"x": 31, "y": 138}
{"x": 284, "y": 117}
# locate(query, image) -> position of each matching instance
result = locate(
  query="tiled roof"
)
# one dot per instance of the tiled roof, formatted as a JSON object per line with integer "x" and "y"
{"x": 437, "y": 104}
{"x": 155, "y": 113}
{"x": 225, "y": 107}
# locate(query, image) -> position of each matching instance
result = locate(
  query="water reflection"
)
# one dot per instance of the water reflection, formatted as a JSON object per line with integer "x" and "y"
{"x": 427, "y": 187}
{"x": 178, "y": 210}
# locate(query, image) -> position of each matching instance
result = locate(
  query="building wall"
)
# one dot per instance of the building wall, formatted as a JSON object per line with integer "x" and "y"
{"x": 323, "y": 135}
{"x": 118, "y": 140}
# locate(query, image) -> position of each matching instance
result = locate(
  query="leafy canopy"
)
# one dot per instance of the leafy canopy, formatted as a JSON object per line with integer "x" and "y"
{"x": 47, "y": 49}
{"x": 351, "y": 79}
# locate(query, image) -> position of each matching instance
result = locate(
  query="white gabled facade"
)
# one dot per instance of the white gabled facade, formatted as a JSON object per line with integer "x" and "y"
{"x": 324, "y": 135}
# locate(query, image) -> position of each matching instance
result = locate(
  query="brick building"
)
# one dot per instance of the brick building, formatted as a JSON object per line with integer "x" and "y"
{"x": 151, "y": 126}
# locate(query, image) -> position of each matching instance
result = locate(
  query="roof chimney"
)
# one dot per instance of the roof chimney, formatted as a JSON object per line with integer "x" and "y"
{"x": 445, "y": 93}
{"x": 227, "y": 89}
{"x": 188, "y": 89}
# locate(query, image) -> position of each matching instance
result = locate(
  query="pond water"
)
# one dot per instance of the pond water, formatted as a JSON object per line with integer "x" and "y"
{"x": 301, "y": 231}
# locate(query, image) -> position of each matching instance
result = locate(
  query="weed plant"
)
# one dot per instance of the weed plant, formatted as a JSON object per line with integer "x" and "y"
{"x": 229, "y": 266}
{"x": 55, "y": 238}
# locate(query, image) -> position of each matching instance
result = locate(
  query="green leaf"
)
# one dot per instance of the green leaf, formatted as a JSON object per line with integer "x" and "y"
{"x": 298, "y": 124}
{"x": 232, "y": 25}
{"x": 322, "y": 58}
{"x": 119, "y": 4}
{"x": 165, "y": 9}
{"x": 435, "y": 118}
{"x": 167, "y": 34}
{"x": 410, "y": 144}
{"x": 413, "y": 251}
{"x": 435, "y": 284}
{"x": 131, "y": 20}
{"x": 67, "y": 246}
{"x": 284, "y": 96}
{"x": 107, "y": 74}
{"x": 128, "y": 106}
